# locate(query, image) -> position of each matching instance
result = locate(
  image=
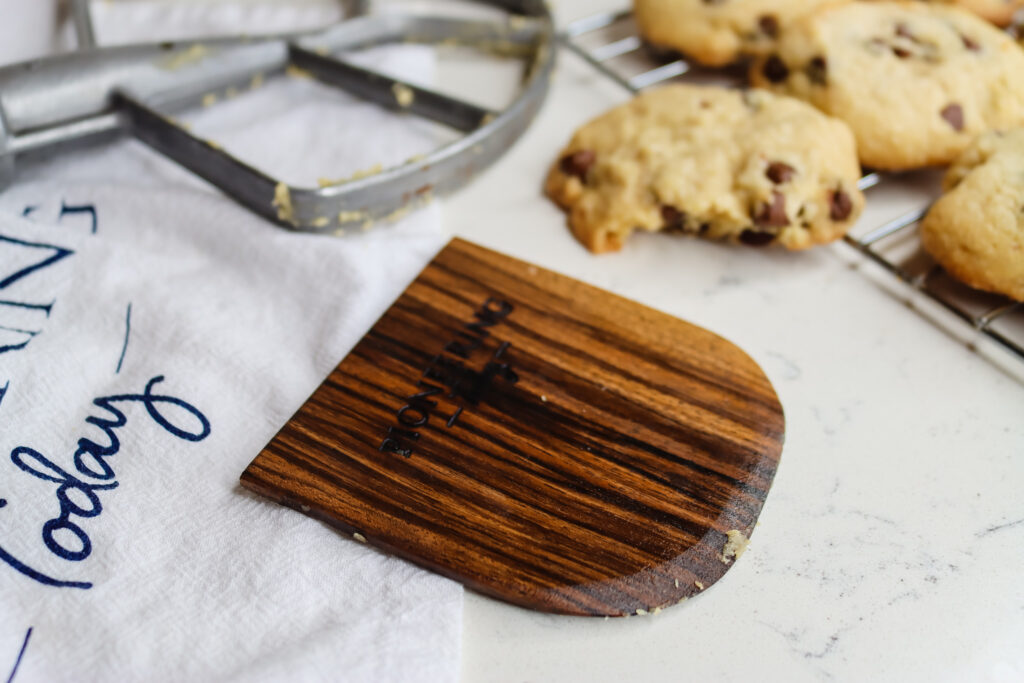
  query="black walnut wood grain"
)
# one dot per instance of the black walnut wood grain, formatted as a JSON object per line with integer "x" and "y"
{"x": 539, "y": 440}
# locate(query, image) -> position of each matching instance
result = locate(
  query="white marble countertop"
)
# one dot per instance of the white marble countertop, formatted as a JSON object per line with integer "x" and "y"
{"x": 891, "y": 546}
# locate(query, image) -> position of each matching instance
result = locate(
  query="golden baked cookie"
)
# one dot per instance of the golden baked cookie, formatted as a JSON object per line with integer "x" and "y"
{"x": 746, "y": 166}
{"x": 997, "y": 11}
{"x": 976, "y": 230}
{"x": 916, "y": 82}
{"x": 716, "y": 32}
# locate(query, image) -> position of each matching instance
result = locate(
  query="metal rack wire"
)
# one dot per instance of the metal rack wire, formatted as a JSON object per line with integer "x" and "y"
{"x": 609, "y": 43}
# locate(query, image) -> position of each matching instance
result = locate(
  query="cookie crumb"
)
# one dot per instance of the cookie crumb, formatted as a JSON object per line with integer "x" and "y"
{"x": 403, "y": 95}
{"x": 735, "y": 545}
{"x": 359, "y": 537}
{"x": 351, "y": 216}
{"x": 362, "y": 173}
{"x": 193, "y": 54}
{"x": 298, "y": 72}
{"x": 283, "y": 203}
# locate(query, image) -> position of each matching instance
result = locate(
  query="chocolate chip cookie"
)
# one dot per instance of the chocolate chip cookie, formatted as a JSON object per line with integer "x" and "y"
{"x": 976, "y": 230}
{"x": 997, "y": 11}
{"x": 746, "y": 166}
{"x": 716, "y": 32}
{"x": 916, "y": 82}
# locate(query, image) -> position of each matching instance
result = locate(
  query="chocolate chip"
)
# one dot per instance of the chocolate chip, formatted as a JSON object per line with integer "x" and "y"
{"x": 840, "y": 205}
{"x": 673, "y": 217}
{"x": 769, "y": 25}
{"x": 817, "y": 71}
{"x": 578, "y": 163}
{"x": 904, "y": 30}
{"x": 970, "y": 44}
{"x": 775, "y": 70}
{"x": 772, "y": 215}
{"x": 779, "y": 172}
{"x": 660, "y": 53}
{"x": 954, "y": 115}
{"x": 755, "y": 238}
{"x": 900, "y": 52}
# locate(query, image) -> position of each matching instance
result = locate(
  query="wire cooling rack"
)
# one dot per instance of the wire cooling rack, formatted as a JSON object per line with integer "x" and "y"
{"x": 609, "y": 42}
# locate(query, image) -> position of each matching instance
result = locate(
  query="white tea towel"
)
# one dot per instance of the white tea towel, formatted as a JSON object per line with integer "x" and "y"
{"x": 153, "y": 337}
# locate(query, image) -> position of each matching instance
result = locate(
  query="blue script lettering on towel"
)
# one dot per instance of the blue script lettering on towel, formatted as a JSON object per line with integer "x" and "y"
{"x": 13, "y": 269}
{"x": 77, "y": 493}
{"x": 21, "y": 653}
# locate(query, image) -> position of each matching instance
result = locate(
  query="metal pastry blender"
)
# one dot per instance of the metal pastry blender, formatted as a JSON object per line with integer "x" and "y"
{"x": 50, "y": 103}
